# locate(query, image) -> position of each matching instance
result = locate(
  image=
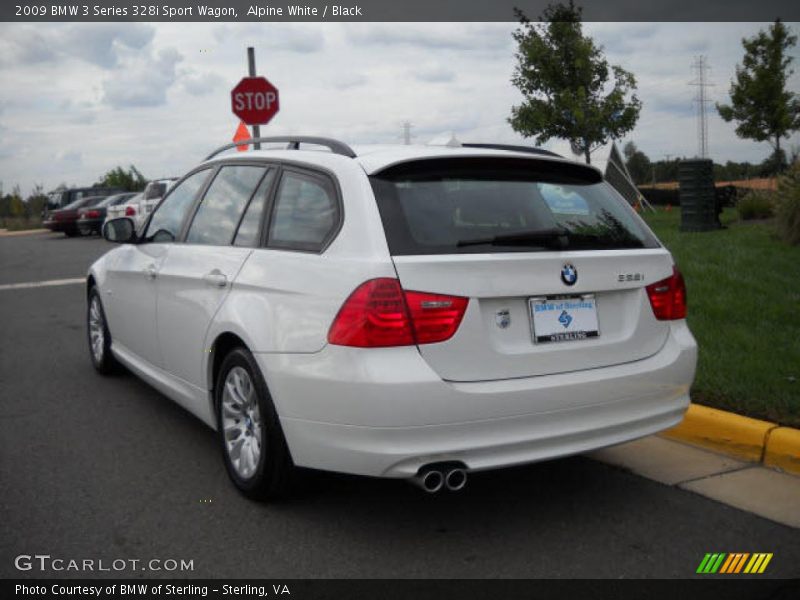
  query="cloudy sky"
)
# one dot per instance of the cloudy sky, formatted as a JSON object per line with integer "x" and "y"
{"x": 77, "y": 99}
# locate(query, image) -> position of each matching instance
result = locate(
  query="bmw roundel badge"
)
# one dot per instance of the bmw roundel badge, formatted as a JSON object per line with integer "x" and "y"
{"x": 569, "y": 274}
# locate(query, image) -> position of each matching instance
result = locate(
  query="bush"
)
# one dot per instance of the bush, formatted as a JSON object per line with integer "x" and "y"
{"x": 788, "y": 205}
{"x": 755, "y": 204}
{"x": 20, "y": 223}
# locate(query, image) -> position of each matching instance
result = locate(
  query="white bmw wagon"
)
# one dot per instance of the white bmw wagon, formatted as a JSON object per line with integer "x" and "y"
{"x": 410, "y": 312}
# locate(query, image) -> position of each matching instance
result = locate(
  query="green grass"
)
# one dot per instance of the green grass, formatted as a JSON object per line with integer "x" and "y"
{"x": 744, "y": 310}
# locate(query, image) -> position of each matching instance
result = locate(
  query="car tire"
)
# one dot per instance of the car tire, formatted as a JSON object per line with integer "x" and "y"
{"x": 98, "y": 336}
{"x": 253, "y": 446}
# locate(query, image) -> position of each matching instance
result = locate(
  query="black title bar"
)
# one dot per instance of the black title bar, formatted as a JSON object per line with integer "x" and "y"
{"x": 388, "y": 10}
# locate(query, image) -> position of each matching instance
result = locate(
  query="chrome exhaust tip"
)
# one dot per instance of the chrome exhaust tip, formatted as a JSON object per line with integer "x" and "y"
{"x": 431, "y": 481}
{"x": 455, "y": 479}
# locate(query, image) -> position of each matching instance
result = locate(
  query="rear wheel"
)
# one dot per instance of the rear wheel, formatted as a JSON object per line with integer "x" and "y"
{"x": 98, "y": 336}
{"x": 253, "y": 446}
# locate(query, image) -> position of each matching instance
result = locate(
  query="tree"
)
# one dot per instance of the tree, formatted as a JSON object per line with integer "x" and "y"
{"x": 639, "y": 165}
{"x": 570, "y": 91}
{"x": 11, "y": 205}
{"x": 36, "y": 201}
{"x": 131, "y": 180}
{"x": 760, "y": 103}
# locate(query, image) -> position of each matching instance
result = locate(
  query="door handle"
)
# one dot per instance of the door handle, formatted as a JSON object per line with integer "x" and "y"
{"x": 150, "y": 272}
{"x": 216, "y": 278}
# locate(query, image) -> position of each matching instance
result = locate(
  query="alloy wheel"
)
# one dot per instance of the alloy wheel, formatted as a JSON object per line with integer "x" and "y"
{"x": 97, "y": 335}
{"x": 241, "y": 422}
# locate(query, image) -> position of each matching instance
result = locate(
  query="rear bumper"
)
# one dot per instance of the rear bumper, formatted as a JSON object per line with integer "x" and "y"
{"x": 90, "y": 225}
{"x": 386, "y": 413}
{"x": 53, "y": 225}
{"x": 61, "y": 226}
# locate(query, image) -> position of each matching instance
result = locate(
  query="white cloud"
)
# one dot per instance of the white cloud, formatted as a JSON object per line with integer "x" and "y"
{"x": 24, "y": 45}
{"x": 346, "y": 81}
{"x": 200, "y": 84}
{"x": 142, "y": 80}
{"x": 432, "y": 74}
{"x": 99, "y": 44}
{"x": 464, "y": 37}
{"x": 102, "y": 44}
{"x": 282, "y": 37}
{"x": 70, "y": 158}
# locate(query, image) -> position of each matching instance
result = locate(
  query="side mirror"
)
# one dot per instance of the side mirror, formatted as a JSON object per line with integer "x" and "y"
{"x": 120, "y": 231}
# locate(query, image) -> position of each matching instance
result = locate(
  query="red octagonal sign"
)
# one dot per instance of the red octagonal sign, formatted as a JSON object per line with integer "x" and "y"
{"x": 254, "y": 100}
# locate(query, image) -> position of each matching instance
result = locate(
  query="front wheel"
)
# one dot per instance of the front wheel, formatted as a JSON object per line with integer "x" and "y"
{"x": 98, "y": 336}
{"x": 253, "y": 446}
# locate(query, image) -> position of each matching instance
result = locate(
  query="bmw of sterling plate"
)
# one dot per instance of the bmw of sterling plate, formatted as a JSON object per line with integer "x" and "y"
{"x": 562, "y": 319}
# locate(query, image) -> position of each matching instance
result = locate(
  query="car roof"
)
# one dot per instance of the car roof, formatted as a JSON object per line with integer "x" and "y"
{"x": 376, "y": 158}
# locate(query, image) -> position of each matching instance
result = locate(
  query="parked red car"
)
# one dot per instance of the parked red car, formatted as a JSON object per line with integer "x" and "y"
{"x": 66, "y": 219}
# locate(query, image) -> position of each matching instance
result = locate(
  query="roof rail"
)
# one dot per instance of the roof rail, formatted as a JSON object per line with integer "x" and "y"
{"x": 513, "y": 148}
{"x": 293, "y": 143}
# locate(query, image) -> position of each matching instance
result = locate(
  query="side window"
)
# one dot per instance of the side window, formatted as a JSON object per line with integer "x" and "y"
{"x": 247, "y": 235}
{"x": 305, "y": 213}
{"x": 222, "y": 206}
{"x": 165, "y": 225}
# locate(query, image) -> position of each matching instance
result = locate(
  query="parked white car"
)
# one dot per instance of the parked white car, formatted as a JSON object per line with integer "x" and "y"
{"x": 128, "y": 209}
{"x": 140, "y": 206}
{"x": 406, "y": 311}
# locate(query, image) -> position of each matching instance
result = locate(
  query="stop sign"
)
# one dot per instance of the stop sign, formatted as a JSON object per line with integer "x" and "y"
{"x": 254, "y": 100}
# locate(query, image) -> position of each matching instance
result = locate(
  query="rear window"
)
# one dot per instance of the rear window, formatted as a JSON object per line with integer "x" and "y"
{"x": 155, "y": 189}
{"x": 468, "y": 205}
{"x": 77, "y": 204}
{"x": 116, "y": 199}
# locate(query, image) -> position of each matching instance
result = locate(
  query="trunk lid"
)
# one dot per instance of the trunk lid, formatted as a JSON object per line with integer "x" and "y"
{"x": 495, "y": 339}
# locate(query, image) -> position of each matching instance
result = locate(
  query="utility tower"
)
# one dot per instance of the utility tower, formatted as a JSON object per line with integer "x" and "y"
{"x": 407, "y": 132}
{"x": 700, "y": 81}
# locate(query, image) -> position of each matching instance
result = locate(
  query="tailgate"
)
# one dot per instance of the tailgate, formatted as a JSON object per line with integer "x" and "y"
{"x": 496, "y": 337}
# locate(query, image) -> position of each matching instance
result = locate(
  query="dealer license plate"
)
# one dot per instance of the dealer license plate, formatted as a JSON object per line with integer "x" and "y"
{"x": 563, "y": 319}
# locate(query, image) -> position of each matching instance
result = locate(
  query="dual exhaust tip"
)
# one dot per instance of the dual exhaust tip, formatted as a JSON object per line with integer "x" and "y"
{"x": 434, "y": 479}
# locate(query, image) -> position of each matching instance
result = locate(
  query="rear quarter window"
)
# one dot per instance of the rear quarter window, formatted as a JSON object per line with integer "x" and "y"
{"x": 306, "y": 212}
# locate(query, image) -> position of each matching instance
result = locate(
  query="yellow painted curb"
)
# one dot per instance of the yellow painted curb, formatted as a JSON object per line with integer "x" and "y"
{"x": 723, "y": 431}
{"x": 783, "y": 449}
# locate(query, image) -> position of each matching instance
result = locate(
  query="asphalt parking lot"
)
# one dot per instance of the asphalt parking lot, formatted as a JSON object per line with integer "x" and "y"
{"x": 107, "y": 468}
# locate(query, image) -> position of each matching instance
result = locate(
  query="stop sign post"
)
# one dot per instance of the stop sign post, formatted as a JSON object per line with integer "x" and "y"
{"x": 255, "y": 100}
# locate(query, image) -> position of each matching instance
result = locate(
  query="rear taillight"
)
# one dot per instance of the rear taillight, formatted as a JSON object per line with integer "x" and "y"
{"x": 380, "y": 313}
{"x": 668, "y": 297}
{"x": 130, "y": 211}
{"x": 91, "y": 214}
{"x": 435, "y": 317}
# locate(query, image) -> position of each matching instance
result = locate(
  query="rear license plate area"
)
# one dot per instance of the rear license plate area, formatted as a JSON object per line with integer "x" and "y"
{"x": 563, "y": 318}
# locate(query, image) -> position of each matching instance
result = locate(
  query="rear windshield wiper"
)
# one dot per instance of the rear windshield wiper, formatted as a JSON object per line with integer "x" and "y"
{"x": 552, "y": 238}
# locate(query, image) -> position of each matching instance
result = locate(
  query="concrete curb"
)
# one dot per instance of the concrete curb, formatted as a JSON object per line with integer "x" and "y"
{"x": 6, "y": 233}
{"x": 745, "y": 438}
